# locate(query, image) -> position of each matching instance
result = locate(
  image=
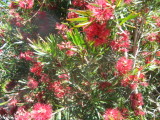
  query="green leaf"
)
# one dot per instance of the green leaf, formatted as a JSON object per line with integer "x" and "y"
{"x": 96, "y": 5}
{"x": 82, "y": 24}
{"x": 81, "y": 12}
{"x": 45, "y": 47}
{"x": 118, "y": 2}
{"x": 129, "y": 17}
{"x": 78, "y": 19}
{"x": 1, "y": 104}
{"x": 3, "y": 3}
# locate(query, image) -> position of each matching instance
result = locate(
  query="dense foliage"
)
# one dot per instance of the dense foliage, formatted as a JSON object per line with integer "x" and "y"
{"x": 80, "y": 59}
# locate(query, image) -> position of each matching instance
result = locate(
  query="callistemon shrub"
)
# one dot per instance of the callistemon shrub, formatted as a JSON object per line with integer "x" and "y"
{"x": 80, "y": 60}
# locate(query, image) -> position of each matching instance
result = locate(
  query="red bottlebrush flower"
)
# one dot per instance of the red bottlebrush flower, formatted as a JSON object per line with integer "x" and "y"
{"x": 104, "y": 85}
{"x": 32, "y": 83}
{"x": 79, "y": 3}
{"x": 61, "y": 27}
{"x": 124, "y": 112}
{"x": 146, "y": 53}
{"x": 136, "y": 100}
{"x": 13, "y": 5}
{"x": 102, "y": 13}
{"x": 131, "y": 79}
{"x": 58, "y": 89}
{"x": 113, "y": 1}
{"x": 3, "y": 112}
{"x": 124, "y": 65}
{"x": 152, "y": 37}
{"x": 41, "y": 111}
{"x": 13, "y": 102}
{"x": 36, "y": 69}
{"x": 72, "y": 15}
{"x": 13, "y": 13}
{"x": 64, "y": 77}
{"x": 113, "y": 114}
{"x": 44, "y": 78}
{"x": 17, "y": 21}
{"x": 133, "y": 86}
{"x": 97, "y": 33}
{"x": 65, "y": 45}
{"x": 157, "y": 62}
{"x": 26, "y": 55}
{"x": 26, "y": 4}
{"x": 121, "y": 44}
{"x": 127, "y": 1}
{"x": 70, "y": 53}
{"x": 138, "y": 112}
{"x": 22, "y": 114}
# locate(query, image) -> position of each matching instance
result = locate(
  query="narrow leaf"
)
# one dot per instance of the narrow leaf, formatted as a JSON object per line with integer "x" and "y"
{"x": 1, "y": 104}
{"x": 129, "y": 17}
{"x": 82, "y": 24}
{"x": 78, "y": 19}
{"x": 81, "y": 12}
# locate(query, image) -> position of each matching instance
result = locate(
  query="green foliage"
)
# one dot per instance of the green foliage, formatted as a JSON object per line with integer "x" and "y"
{"x": 79, "y": 79}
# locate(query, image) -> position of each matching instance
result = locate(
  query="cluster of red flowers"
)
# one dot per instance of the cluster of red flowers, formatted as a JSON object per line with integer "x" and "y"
{"x": 10, "y": 109}
{"x": 44, "y": 78}
{"x": 122, "y": 44}
{"x": 62, "y": 30}
{"x": 102, "y": 12}
{"x": 17, "y": 19}
{"x": 32, "y": 83}
{"x": 26, "y": 4}
{"x": 157, "y": 19}
{"x": 28, "y": 56}
{"x": 72, "y": 15}
{"x": 105, "y": 86}
{"x": 79, "y": 3}
{"x": 127, "y": 1}
{"x": 113, "y": 114}
{"x": 124, "y": 65}
{"x": 64, "y": 77}
{"x": 133, "y": 81}
{"x": 70, "y": 50}
{"x": 97, "y": 33}
{"x": 36, "y": 69}
{"x": 154, "y": 37}
{"x": 58, "y": 89}
{"x": 136, "y": 101}
{"x": 40, "y": 112}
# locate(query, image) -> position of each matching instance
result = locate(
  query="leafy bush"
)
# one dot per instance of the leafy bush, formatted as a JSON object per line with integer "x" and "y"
{"x": 80, "y": 60}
